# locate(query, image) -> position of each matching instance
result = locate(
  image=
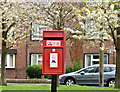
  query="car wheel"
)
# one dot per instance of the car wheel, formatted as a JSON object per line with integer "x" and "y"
{"x": 69, "y": 82}
{"x": 111, "y": 83}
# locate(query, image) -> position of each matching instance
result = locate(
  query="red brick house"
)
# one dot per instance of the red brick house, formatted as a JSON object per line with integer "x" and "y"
{"x": 30, "y": 53}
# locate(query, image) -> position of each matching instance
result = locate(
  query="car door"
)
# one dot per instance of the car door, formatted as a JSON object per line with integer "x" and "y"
{"x": 88, "y": 76}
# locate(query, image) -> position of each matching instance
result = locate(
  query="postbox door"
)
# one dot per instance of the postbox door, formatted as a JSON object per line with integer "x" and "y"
{"x": 53, "y": 60}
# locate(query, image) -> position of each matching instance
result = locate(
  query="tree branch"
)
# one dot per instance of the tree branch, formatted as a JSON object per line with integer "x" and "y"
{"x": 10, "y": 27}
{"x": 113, "y": 36}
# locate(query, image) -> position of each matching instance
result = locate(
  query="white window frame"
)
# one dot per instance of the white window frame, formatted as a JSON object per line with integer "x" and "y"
{"x": 37, "y": 58}
{"x": 38, "y": 33}
{"x": 92, "y": 59}
{"x": 7, "y": 60}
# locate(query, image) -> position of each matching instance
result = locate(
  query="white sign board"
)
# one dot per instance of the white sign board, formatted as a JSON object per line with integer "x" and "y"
{"x": 53, "y": 43}
{"x": 54, "y": 60}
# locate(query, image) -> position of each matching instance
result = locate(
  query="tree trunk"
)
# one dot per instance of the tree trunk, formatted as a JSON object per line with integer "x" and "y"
{"x": 3, "y": 57}
{"x": 101, "y": 79}
{"x": 57, "y": 80}
{"x": 117, "y": 75}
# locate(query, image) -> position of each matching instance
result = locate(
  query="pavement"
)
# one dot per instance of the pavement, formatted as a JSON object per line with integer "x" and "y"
{"x": 41, "y": 84}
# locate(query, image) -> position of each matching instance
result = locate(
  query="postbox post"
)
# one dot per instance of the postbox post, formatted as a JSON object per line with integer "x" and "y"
{"x": 54, "y": 83}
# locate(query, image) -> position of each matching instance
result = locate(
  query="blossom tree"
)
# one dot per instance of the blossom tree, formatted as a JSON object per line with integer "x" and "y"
{"x": 15, "y": 16}
{"x": 58, "y": 16}
{"x": 99, "y": 20}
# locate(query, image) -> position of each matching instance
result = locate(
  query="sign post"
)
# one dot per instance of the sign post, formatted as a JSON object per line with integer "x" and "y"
{"x": 53, "y": 54}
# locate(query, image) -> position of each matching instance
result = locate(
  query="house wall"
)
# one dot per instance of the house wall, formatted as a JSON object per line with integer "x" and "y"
{"x": 77, "y": 48}
{"x": 95, "y": 49}
{"x": 23, "y": 58}
{"x": 74, "y": 50}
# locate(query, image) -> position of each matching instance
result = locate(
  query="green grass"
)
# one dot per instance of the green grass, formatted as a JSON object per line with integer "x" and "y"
{"x": 62, "y": 87}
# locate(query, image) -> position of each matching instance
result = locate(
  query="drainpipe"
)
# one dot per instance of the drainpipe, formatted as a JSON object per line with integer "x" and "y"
{"x": 28, "y": 57}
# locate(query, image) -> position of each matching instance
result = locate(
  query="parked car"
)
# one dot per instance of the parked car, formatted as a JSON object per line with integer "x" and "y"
{"x": 89, "y": 75}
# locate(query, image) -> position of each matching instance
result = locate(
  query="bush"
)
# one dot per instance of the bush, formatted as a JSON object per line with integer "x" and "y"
{"x": 34, "y": 71}
{"x": 69, "y": 69}
{"x": 48, "y": 76}
{"x": 77, "y": 65}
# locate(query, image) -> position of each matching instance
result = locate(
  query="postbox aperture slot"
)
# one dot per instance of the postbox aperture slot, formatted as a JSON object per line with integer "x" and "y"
{"x": 53, "y": 38}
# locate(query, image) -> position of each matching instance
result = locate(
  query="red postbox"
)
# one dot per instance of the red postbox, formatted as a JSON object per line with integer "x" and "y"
{"x": 53, "y": 52}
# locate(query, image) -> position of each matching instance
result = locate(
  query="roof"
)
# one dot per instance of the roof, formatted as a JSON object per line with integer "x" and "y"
{"x": 104, "y": 65}
{"x": 10, "y": 51}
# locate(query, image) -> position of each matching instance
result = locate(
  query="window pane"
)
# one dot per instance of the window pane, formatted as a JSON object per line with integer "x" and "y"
{"x": 112, "y": 68}
{"x": 39, "y": 62}
{"x": 11, "y": 61}
{"x": 95, "y": 62}
{"x": 90, "y": 70}
{"x": 105, "y": 59}
{"x": 40, "y": 56}
{"x": 88, "y": 60}
{"x": 106, "y": 69}
{"x": 95, "y": 56}
{"x": 34, "y": 59}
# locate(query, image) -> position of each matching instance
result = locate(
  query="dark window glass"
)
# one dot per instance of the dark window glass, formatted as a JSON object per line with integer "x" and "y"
{"x": 95, "y": 56}
{"x": 90, "y": 70}
{"x": 107, "y": 69}
{"x": 112, "y": 68}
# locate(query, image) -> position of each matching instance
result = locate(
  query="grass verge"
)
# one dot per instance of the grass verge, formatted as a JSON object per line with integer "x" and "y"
{"x": 62, "y": 87}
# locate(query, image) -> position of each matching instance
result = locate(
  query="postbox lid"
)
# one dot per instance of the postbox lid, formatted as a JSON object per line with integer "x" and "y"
{"x": 53, "y": 33}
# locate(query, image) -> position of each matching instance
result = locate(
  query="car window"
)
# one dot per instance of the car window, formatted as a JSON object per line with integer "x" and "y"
{"x": 90, "y": 70}
{"x": 112, "y": 68}
{"x": 107, "y": 69}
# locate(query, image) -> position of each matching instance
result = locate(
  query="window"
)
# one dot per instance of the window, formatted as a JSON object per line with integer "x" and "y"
{"x": 36, "y": 59}
{"x": 36, "y": 33}
{"x": 107, "y": 69}
{"x": 89, "y": 70}
{"x": 112, "y": 68}
{"x": 92, "y": 59}
{"x": 10, "y": 61}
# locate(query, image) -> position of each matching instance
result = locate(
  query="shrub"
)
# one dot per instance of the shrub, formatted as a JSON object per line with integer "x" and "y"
{"x": 48, "y": 76}
{"x": 77, "y": 65}
{"x": 69, "y": 69}
{"x": 34, "y": 71}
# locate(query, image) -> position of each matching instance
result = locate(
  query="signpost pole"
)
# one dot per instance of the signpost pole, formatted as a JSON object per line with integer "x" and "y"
{"x": 54, "y": 83}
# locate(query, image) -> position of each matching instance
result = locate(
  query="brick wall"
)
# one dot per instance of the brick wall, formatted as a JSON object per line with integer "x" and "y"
{"x": 95, "y": 49}
{"x": 78, "y": 50}
{"x": 74, "y": 49}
